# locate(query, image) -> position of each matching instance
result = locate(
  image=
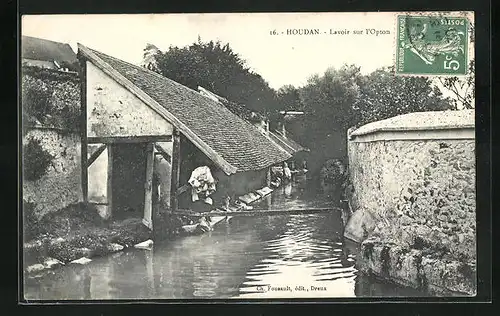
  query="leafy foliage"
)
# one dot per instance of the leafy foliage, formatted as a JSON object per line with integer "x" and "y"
{"x": 333, "y": 172}
{"x": 36, "y": 160}
{"x": 50, "y": 98}
{"x": 385, "y": 95}
{"x": 462, "y": 88}
{"x": 331, "y": 98}
{"x": 289, "y": 98}
{"x": 243, "y": 111}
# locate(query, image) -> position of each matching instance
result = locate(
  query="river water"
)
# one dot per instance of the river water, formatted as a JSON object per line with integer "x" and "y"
{"x": 282, "y": 256}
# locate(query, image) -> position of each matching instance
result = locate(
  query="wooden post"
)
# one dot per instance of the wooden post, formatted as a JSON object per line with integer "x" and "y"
{"x": 176, "y": 164}
{"x": 109, "y": 184}
{"x": 148, "y": 187}
{"x": 83, "y": 129}
{"x": 268, "y": 177}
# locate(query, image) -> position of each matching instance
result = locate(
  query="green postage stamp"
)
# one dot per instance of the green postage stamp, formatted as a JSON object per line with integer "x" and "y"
{"x": 432, "y": 45}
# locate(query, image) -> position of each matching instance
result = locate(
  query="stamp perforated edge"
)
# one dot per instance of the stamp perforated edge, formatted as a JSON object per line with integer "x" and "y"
{"x": 468, "y": 15}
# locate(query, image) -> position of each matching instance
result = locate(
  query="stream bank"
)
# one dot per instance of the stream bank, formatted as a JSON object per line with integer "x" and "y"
{"x": 424, "y": 269}
{"x": 76, "y": 234}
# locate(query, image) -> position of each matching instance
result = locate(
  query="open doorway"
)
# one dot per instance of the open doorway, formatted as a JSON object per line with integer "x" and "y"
{"x": 128, "y": 178}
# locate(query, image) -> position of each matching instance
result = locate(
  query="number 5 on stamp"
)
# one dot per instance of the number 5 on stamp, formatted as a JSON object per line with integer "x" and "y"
{"x": 431, "y": 45}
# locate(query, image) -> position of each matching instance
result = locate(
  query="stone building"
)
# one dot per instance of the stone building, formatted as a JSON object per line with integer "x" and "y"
{"x": 133, "y": 116}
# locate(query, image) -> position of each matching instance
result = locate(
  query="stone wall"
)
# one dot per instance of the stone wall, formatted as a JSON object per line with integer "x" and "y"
{"x": 51, "y": 109}
{"x": 61, "y": 184}
{"x": 414, "y": 204}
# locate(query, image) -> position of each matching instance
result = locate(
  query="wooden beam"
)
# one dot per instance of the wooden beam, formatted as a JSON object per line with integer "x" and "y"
{"x": 268, "y": 177}
{"x": 163, "y": 153}
{"x": 260, "y": 212}
{"x": 176, "y": 164}
{"x": 148, "y": 187}
{"x": 96, "y": 155}
{"x": 129, "y": 139}
{"x": 158, "y": 108}
{"x": 109, "y": 184}
{"x": 83, "y": 129}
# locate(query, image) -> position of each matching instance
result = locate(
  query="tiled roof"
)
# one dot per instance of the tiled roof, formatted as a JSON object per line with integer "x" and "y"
{"x": 430, "y": 120}
{"x": 288, "y": 144}
{"x": 238, "y": 142}
{"x": 45, "y": 50}
{"x": 237, "y": 108}
{"x": 285, "y": 143}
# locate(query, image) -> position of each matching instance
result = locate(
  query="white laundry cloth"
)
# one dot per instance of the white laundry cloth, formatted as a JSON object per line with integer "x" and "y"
{"x": 287, "y": 173}
{"x": 202, "y": 183}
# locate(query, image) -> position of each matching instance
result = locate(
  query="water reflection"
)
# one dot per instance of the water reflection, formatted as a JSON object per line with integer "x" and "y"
{"x": 307, "y": 253}
{"x": 239, "y": 259}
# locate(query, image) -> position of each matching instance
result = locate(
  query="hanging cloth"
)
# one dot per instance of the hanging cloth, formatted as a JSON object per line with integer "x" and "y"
{"x": 202, "y": 184}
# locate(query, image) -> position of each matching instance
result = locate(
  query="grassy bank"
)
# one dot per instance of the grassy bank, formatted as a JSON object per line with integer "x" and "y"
{"x": 77, "y": 231}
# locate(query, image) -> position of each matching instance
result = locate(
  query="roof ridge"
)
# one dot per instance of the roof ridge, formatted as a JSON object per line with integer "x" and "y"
{"x": 239, "y": 104}
{"x": 147, "y": 71}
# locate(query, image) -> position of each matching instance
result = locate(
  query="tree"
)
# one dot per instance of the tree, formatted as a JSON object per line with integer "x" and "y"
{"x": 216, "y": 67}
{"x": 149, "y": 57}
{"x": 288, "y": 98}
{"x": 463, "y": 89}
{"x": 329, "y": 100}
{"x": 384, "y": 95}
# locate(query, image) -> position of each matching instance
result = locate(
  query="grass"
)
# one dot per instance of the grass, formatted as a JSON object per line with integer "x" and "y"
{"x": 78, "y": 231}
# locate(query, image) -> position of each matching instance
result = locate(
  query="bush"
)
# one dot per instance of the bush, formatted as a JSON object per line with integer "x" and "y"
{"x": 333, "y": 172}
{"x": 36, "y": 160}
{"x": 71, "y": 218}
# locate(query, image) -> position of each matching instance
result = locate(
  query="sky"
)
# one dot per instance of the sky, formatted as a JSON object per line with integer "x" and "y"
{"x": 280, "y": 59}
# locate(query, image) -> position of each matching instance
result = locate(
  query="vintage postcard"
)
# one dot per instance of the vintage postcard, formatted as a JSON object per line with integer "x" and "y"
{"x": 248, "y": 156}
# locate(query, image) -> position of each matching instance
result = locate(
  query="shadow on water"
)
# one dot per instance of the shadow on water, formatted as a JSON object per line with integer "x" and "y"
{"x": 246, "y": 257}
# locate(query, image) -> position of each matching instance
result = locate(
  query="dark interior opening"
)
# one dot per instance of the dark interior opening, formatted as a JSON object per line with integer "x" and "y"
{"x": 128, "y": 179}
